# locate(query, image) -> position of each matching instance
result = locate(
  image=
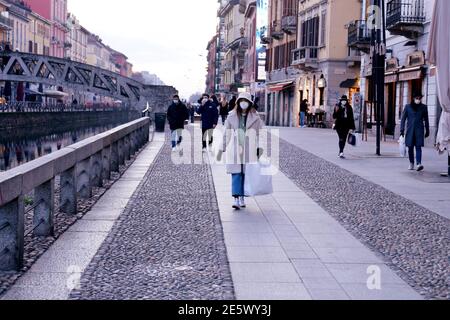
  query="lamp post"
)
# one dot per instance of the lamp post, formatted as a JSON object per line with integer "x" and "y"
{"x": 378, "y": 53}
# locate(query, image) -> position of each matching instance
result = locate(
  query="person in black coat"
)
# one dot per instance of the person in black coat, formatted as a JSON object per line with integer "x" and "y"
{"x": 224, "y": 110}
{"x": 177, "y": 114}
{"x": 303, "y": 111}
{"x": 344, "y": 124}
{"x": 415, "y": 120}
{"x": 232, "y": 104}
{"x": 210, "y": 116}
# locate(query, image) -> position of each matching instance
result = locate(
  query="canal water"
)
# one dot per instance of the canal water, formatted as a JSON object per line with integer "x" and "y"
{"x": 21, "y": 146}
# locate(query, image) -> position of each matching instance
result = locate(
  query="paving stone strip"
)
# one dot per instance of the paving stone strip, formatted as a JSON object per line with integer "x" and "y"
{"x": 414, "y": 241}
{"x": 167, "y": 244}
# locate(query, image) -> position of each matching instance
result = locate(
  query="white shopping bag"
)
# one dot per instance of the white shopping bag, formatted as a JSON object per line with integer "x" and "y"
{"x": 358, "y": 139}
{"x": 258, "y": 179}
{"x": 402, "y": 146}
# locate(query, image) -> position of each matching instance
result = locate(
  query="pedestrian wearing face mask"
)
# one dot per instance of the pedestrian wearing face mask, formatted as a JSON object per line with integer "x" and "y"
{"x": 242, "y": 125}
{"x": 177, "y": 114}
{"x": 344, "y": 124}
{"x": 210, "y": 117}
{"x": 415, "y": 120}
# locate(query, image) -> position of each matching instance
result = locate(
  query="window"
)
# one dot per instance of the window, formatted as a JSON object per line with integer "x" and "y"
{"x": 323, "y": 29}
{"x": 310, "y": 32}
{"x": 30, "y": 46}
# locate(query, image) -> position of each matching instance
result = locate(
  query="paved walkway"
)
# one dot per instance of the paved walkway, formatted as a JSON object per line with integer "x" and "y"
{"x": 285, "y": 246}
{"x": 59, "y": 269}
{"x": 178, "y": 238}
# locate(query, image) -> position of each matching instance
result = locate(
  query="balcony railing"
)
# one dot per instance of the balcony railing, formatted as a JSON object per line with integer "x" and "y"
{"x": 289, "y": 24}
{"x": 6, "y": 22}
{"x": 305, "y": 57}
{"x": 405, "y": 17}
{"x": 275, "y": 30}
{"x": 359, "y": 35}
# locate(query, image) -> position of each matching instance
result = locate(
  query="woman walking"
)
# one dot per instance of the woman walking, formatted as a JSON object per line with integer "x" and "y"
{"x": 242, "y": 133}
{"x": 345, "y": 123}
{"x": 224, "y": 110}
{"x": 418, "y": 128}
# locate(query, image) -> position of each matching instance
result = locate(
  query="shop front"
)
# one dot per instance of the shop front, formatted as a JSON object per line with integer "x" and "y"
{"x": 280, "y": 102}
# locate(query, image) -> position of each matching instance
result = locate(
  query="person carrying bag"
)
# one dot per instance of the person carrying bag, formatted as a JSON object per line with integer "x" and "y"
{"x": 242, "y": 129}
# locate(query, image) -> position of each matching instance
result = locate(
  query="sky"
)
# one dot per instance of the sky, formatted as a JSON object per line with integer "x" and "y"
{"x": 165, "y": 37}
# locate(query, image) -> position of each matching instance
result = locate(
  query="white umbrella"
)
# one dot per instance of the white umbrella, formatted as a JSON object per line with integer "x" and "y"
{"x": 439, "y": 55}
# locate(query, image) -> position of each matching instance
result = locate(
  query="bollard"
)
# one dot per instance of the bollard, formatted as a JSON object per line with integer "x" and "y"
{"x": 84, "y": 187}
{"x": 44, "y": 199}
{"x": 106, "y": 168}
{"x": 12, "y": 235}
{"x": 96, "y": 170}
{"x": 114, "y": 157}
{"x": 68, "y": 194}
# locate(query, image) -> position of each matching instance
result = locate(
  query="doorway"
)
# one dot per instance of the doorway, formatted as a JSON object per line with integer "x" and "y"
{"x": 390, "y": 109}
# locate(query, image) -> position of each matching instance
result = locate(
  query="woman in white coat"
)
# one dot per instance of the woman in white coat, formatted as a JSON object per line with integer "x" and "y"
{"x": 242, "y": 129}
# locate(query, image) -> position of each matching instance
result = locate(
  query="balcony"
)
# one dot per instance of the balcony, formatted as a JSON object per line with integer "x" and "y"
{"x": 276, "y": 31}
{"x": 289, "y": 24}
{"x": 305, "y": 57}
{"x": 359, "y": 36}
{"x": 6, "y": 23}
{"x": 405, "y": 17}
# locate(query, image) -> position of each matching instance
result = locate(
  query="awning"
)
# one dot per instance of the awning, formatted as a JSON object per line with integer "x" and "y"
{"x": 349, "y": 83}
{"x": 55, "y": 94}
{"x": 390, "y": 77}
{"x": 279, "y": 86}
{"x": 410, "y": 74}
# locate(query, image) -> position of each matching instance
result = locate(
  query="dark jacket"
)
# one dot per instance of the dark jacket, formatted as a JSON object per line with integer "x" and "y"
{"x": 176, "y": 115}
{"x": 224, "y": 110}
{"x": 304, "y": 107}
{"x": 343, "y": 123}
{"x": 210, "y": 115}
{"x": 417, "y": 125}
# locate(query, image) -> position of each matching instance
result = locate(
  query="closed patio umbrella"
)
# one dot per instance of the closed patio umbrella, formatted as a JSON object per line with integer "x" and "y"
{"x": 439, "y": 55}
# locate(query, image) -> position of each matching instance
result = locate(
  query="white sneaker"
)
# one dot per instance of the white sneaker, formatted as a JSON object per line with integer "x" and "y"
{"x": 242, "y": 202}
{"x": 411, "y": 166}
{"x": 174, "y": 149}
{"x": 236, "y": 204}
{"x": 420, "y": 168}
{"x": 342, "y": 156}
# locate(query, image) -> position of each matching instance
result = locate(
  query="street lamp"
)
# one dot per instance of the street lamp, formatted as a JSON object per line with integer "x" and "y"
{"x": 378, "y": 53}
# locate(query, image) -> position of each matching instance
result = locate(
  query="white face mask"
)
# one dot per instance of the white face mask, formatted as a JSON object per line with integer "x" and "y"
{"x": 343, "y": 103}
{"x": 244, "y": 105}
{"x": 418, "y": 101}
{"x": 175, "y": 101}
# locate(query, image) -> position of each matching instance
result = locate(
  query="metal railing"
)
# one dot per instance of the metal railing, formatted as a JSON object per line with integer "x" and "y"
{"x": 58, "y": 107}
{"x": 80, "y": 167}
{"x": 405, "y": 12}
{"x": 358, "y": 33}
{"x": 289, "y": 23}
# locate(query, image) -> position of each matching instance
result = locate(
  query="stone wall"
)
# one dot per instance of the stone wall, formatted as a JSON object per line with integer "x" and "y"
{"x": 158, "y": 97}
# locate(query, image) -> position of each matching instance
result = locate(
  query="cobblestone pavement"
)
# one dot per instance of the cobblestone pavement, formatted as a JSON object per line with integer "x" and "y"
{"x": 167, "y": 244}
{"x": 414, "y": 241}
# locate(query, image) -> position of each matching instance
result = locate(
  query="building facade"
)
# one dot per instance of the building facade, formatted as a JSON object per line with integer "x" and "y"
{"x": 234, "y": 46}
{"x": 77, "y": 39}
{"x": 281, "y": 40}
{"x": 407, "y": 71}
{"x": 56, "y": 12}
{"x": 19, "y": 14}
{"x": 39, "y": 38}
{"x": 212, "y": 85}
{"x": 6, "y": 26}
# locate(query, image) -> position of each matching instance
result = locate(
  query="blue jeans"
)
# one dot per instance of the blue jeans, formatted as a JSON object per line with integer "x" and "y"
{"x": 418, "y": 155}
{"x": 237, "y": 184}
{"x": 302, "y": 119}
{"x": 176, "y": 137}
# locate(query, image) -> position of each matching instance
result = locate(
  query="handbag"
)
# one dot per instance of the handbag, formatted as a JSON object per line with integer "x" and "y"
{"x": 351, "y": 139}
{"x": 402, "y": 146}
{"x": 258, "y": 179}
